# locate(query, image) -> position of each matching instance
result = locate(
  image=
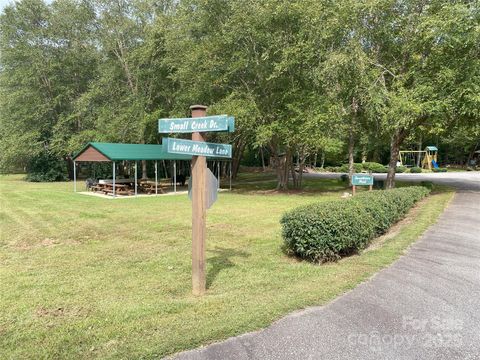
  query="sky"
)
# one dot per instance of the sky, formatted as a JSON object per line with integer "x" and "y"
{"x": 4, "y": 3}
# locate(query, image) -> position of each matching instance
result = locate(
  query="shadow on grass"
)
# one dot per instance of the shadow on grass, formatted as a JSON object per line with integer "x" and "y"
{"x": 221, "y": 261}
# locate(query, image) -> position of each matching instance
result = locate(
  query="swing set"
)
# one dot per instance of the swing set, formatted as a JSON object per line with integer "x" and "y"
{"x": 427, "y": 158}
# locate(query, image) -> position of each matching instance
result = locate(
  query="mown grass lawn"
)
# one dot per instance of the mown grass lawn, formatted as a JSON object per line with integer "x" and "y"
{"x": 85, "y": 277}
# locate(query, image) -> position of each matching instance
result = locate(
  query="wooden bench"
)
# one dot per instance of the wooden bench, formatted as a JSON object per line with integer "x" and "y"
{"x": 149, "y": 188}
{"x": 119, "y": 192}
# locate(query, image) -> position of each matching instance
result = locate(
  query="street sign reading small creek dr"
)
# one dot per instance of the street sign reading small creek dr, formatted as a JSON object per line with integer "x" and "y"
{"x": 198, "y": 124}
{"x": 199, "y": 148}
{"x": 359, "y": 180}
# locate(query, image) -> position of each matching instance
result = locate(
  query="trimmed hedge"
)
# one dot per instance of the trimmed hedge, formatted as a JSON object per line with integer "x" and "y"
{"x": 366, "y": 167}
{"x": 416, "y": 170}
{"x": 375, "y": 167}
{"x": 327, "y": 231}
{"x": 356, "y": 166}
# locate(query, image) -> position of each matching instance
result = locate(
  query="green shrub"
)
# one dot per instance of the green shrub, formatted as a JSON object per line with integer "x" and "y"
{"x": 428, "y": 184}
{"x": 378, "y": 184}
{"x": 344, "y": 178}
{"x": 356, "y": 166}
{"x": 439, "y": 170}
{"x": 46, "y": 167}
{"x": 327, "y": 231}
{"x": 375, "y": 167}
{"x": 400, "y": 169}
{"x": 416, "y": 170}
{"x": 387, "y": 207}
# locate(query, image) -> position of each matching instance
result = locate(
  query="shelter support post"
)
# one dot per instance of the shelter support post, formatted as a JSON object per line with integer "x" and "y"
{"x": 113, "y": 182}
{"x": 135, "y": 178}
{"x": 74, "y": 176}
{"x": 175, "y": 176}
{"x": 156, "y": 179}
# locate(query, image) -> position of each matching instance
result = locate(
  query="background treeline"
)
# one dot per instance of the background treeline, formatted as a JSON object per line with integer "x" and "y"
{"x": 309, "y": 81}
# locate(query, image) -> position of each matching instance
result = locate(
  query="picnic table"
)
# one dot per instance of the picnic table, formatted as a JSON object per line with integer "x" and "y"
{"x": 149, "y": 187}
{"x": 117, "y": 181}
{"x": 120, "y": 189}
{"x": 107, "y": 189}
{"x": 126, "y": 187}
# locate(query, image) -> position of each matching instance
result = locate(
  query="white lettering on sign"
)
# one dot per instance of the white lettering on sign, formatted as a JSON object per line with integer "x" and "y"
{"x": 202, "y": 149}
{"x": 221, "y": 151}
{"x": 180, "y": 147}
{"x": 194, "y": 125}
{"x": 199, "y": 125}
{"x": 177, "y": 127}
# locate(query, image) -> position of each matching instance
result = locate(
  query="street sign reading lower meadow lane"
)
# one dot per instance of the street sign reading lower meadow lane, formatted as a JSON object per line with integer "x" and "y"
{"x": 361, "y": 179}
{"x": 198, "y": 124}
{"x": 199, "y": 148}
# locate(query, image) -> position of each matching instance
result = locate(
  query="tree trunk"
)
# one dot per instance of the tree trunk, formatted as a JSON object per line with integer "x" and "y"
{"x": 301, "y": 166}
{"x": 294, "y": 174}
{"x": 419, "y": 155}
{"x": 397, "y": 140}
{"x": 471, "y": 154}
{"x": 237, "y": 156}
{"x": 288, "y": 162}
{"x": 351, "y": 146}
{"x": 263, "y": 158}
{"x": 364, "y": 154}
{"x": 281, "y": 166}
{"x": 351, "y": 140}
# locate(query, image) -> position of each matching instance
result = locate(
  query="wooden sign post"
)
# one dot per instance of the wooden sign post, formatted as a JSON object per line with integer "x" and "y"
{"x": 202, "y": 199}
{"x": 199, "y": 211}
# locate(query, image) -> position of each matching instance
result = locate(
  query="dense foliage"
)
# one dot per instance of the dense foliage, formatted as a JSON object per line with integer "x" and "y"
{"x": 309, "y": 81}
{"x": 46, "y": 167}
{"x": 328, "y": 231}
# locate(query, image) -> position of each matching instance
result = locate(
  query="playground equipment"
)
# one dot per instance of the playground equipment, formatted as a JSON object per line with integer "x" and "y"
{"x": 428, "y": 157}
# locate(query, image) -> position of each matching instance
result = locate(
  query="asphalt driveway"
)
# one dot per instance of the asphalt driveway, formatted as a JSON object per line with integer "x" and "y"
{"x": 424, "y": 306}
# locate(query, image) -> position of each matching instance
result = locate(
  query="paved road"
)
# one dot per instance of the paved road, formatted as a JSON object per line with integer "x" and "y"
{"x": 425, "y": 306}
{"x": 461, "y": 180}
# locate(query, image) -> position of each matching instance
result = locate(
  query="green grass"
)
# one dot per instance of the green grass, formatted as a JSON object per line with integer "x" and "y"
{"x": 85, "y": 277}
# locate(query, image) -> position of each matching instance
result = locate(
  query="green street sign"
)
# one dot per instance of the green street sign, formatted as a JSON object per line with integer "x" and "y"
{"x": 197, "y": 124}
{"x": 200, "y": 148}
{"x": 361, "y": 179}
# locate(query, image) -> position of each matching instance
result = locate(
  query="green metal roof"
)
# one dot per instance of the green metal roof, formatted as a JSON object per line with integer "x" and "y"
{"x": 117, "y": 152}
{"x": 431, "y": 148}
